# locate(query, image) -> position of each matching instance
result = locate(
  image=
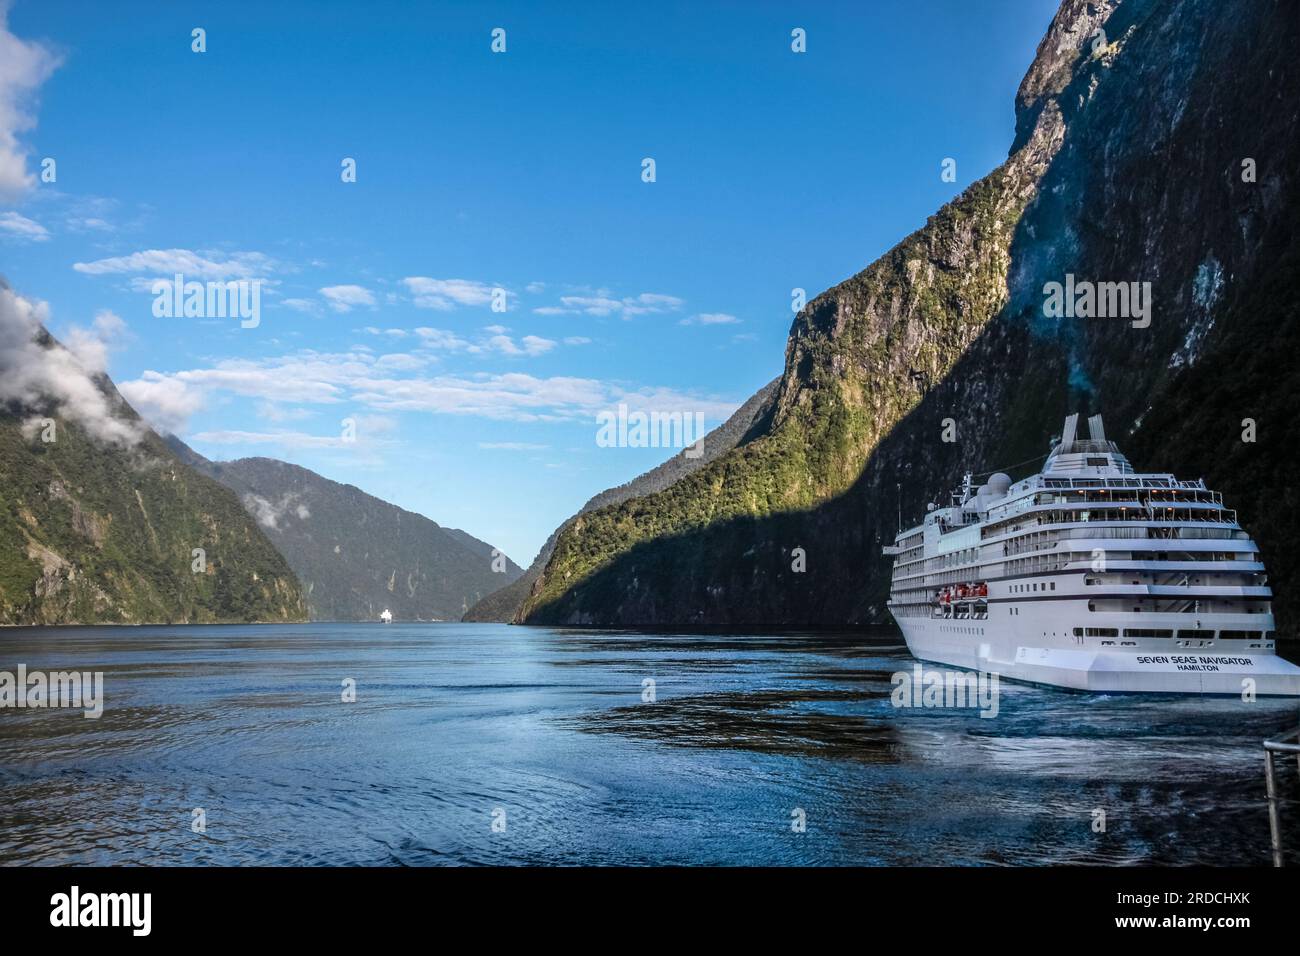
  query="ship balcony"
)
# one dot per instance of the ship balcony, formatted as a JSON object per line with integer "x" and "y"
{"x": 1176, "y": 615}
{"x": 1104, "y": 590}
{"x": 1172, "y": 565}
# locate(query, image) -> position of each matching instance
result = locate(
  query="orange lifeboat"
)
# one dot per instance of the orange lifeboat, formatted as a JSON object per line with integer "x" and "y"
{"x": 981, "y": 590}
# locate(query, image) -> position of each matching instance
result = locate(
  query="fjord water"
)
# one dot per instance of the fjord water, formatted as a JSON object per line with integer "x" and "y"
{"x": 546, "y": 731}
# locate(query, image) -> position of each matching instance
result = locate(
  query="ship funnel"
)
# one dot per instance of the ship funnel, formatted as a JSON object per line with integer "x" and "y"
{"x": 1095, "y": 430}
{"x": 1070, "y": 427}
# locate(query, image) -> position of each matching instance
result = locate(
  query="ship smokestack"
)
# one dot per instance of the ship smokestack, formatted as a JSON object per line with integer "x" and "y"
{"x": 1068, "y": 430}
{"x": 1095, "y": 429}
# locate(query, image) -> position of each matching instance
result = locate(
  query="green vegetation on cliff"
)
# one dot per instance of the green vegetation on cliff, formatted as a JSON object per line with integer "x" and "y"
{"x": 355, "y": 554}
{"x": 103, "y": 531}
{"x": 92, "y": 534}
{"x": 1125, "y": 167}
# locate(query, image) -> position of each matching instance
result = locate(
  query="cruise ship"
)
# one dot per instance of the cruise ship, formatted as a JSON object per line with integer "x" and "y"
{"x": 1092, "y": 577}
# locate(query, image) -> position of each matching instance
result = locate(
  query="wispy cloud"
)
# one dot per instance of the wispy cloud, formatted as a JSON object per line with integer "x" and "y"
{"x": 89, "y": 224}
{"x": 601, "y": 303}
{"x": 191, "y": 264}
{"x": 344, "y": 298}
{"x": 382, "y": 386}
{"x": 711, "y": 318}
{"x": 528, "y": 345}
{"x": 22, "y": 229}
{"x": 497, "y": 341}
{"x": 364, "y": 432}
{"x": 309, "y": 306}
{"x": 441, "y": 339}
{"x": 286, "y": 439}
{"x": 446, "y": 294}
{"x": 276, "y": 413}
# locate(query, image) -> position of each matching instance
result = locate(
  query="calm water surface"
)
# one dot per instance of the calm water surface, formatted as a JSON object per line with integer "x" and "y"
{"x": 546, "y": 730}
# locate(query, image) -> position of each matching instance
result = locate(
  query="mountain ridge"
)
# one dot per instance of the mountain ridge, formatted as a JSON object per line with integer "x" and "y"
{"x": 504, "y": 605}
{"x": 947, "y": 328}
{"x": 355, "y": 554}
{"x": 100, "y": 523}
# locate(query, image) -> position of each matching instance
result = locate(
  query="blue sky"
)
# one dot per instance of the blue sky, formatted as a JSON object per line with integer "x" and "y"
{"x": 477, "y": 170}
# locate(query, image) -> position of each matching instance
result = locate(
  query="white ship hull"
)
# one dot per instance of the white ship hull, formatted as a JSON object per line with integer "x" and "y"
{"x": 1094, "y": 577}
{"x": 1152, "y": 670}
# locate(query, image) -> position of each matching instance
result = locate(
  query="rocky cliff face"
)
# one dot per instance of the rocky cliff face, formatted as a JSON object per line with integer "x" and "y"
{"x": 122, "y": 532}
{"x": 1156, "y": 141}
{"x": 356, "y": 554}
{"x": 504, "y": 604}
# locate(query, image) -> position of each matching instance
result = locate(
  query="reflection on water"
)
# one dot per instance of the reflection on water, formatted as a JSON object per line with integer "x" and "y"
{"x": 549, "y": 728}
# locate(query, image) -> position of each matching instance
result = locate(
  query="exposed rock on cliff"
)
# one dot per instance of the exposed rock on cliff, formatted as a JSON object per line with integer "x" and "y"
{"x": 1135, "y": 125}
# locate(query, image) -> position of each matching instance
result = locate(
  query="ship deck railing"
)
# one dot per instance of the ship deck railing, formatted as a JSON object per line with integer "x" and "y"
{"x": 1288, "y": 743}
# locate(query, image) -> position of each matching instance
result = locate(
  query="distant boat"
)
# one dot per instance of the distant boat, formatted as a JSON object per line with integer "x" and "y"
{"x": 387, "y": 616}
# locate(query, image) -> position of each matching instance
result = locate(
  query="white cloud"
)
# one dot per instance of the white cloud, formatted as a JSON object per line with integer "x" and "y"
{"x": 42, "y": 375}
{"x": 367, "y": 432}
{"x": 277, "y": 413}
{"x": 285, "y": 439}
{"x": 14, "y": 226}
{"x": 577, "y": 340}
{"x": 23, "y": 68}
{"x": 592, "y": 305}
{"x": 310, "y": 306}
{"x": 400, "y": 362}
{"x": 528, "y": 345}
{"x": 445, "y": 294}
{"x": 165, "y": 402}
{"x": 651, "y": 302}
{"x": 89, "y": 224}
{"x": 169, "y": 399}
{"x": 269, "y": 514}
{"x": 440, "y": 339}
{"x": 91, "y": 346}
{"x": 536, "y": 345}
{"x": 711, "y": 318}
{"x": 186, "y": 262}
{"x": 385, "y": 385}
{"x": 343, "y": 298}
{"x": 601, "y": 303}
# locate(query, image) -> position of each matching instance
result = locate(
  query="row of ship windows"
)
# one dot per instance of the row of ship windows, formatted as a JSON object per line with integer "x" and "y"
{"x": 1183, "y": 634}
{"x": 1044, "y": 540}
{"x": 1064, "y": 557}
{"x": 1081, "y": 515}
{"x": 1111, "y": 483}
{"x": 1024, "y": 588}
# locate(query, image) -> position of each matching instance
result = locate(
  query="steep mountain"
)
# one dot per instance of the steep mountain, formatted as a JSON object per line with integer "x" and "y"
{"x": 504, "y": 605}
{"x": 99, "y": 520}
{"x": 1156, "y": 141}
{"x": 355, "y": 554}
